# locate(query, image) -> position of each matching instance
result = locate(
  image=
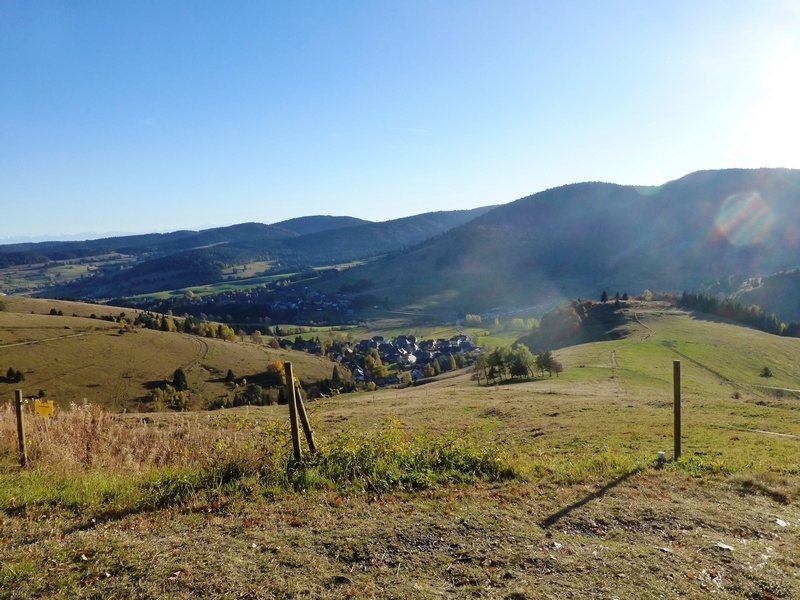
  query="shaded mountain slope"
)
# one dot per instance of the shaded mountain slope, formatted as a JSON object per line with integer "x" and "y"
{"x": 570, "y": 241}
{"x": 578, "y": 239}
{"x": 371, "y": 239}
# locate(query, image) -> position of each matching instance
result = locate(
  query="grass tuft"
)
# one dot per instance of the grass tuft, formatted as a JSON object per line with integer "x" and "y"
{"x": 394, "y": 460}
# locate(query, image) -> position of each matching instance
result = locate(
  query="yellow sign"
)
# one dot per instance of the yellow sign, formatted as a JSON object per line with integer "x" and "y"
{"x": 43, "y": 408}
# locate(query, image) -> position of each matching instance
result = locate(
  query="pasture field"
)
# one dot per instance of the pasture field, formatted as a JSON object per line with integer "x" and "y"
{"x": 241, "y": 277}
{"x": 83, "y": 360}
{"x": 546, "y": 488}
{"x": 35, "y": 277}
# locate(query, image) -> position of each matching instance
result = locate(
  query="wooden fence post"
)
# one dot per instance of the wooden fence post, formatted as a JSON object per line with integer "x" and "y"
{"x": 298, "y": 455}
{"x": 301, "y": 411}
{"x": 676, "y": 382}
{"x": 23, "y": 448}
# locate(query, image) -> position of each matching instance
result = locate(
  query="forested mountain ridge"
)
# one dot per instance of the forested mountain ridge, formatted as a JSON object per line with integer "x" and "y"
{"x": 168, "y": 261}
{"x": 579, "y": 239}
{"x": 569, "y": 241}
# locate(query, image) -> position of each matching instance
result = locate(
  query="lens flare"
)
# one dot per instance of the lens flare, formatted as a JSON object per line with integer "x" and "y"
{"x": 745, "y": 219}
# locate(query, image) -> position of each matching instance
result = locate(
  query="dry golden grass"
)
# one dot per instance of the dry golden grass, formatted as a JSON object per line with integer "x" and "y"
{"x": 83, "y": 438}
{"x": 76, "y": 358}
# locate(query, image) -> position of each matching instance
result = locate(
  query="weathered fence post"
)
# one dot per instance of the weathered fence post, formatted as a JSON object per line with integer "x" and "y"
{"x": 301, "y": 411}
{"x": 298, "y": 455}
{"x": 676, "y": 382}
{"x": 23, "y": 448}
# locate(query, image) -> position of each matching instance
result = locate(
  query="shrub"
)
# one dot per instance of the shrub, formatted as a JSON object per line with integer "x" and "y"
{"x": 391, "y": 460}
{"x": 14, "y": 376}
{"x": 172, "y": 398}
{"x": 254, "y": 395}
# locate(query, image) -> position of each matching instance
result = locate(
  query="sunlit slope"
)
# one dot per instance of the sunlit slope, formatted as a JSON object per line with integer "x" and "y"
{"x": 77, "y": 358}
{"x": 724, "y": 397}
{"x": 716, "y": 356}
{"x": 614, "y": 400}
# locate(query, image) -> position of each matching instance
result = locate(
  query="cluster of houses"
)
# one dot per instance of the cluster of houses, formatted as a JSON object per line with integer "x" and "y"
{"x": 404, "y": 350}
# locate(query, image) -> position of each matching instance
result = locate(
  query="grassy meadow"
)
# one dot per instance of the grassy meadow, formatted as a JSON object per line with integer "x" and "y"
{"x": 545, "y": 488}
{"x": 77, "y": 359}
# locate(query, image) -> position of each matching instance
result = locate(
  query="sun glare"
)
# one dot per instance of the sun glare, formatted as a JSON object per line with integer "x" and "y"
{"x": 775, "y": 124}
{"x": 745, "y": 219}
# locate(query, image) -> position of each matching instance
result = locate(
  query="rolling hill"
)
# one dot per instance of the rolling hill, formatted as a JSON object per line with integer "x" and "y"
{"x": 583, "y": 510}
{"x": 77, "y": 358}
{"x": 318, "y": 224}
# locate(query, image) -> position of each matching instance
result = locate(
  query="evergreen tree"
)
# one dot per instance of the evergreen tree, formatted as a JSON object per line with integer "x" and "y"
{"x": 179, "y": 380}
{"x": 498, "y": 363}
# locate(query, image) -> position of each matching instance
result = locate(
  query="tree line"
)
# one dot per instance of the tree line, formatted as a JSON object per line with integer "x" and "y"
{"x": 752, "y": 315}
{"x": 515, "y": 363}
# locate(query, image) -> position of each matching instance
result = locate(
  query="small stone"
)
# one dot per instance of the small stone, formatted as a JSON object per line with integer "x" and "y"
{"x": 722, "y": 546}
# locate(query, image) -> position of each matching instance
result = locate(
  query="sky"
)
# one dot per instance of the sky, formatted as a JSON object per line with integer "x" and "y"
{"x": 132, "y": 117}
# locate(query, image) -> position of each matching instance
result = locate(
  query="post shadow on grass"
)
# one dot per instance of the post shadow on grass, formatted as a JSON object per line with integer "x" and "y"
{"x": 557, "y": 516}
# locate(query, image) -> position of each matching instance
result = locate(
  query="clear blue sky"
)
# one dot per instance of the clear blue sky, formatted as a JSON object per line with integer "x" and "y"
{"x": 154, "y": 116}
